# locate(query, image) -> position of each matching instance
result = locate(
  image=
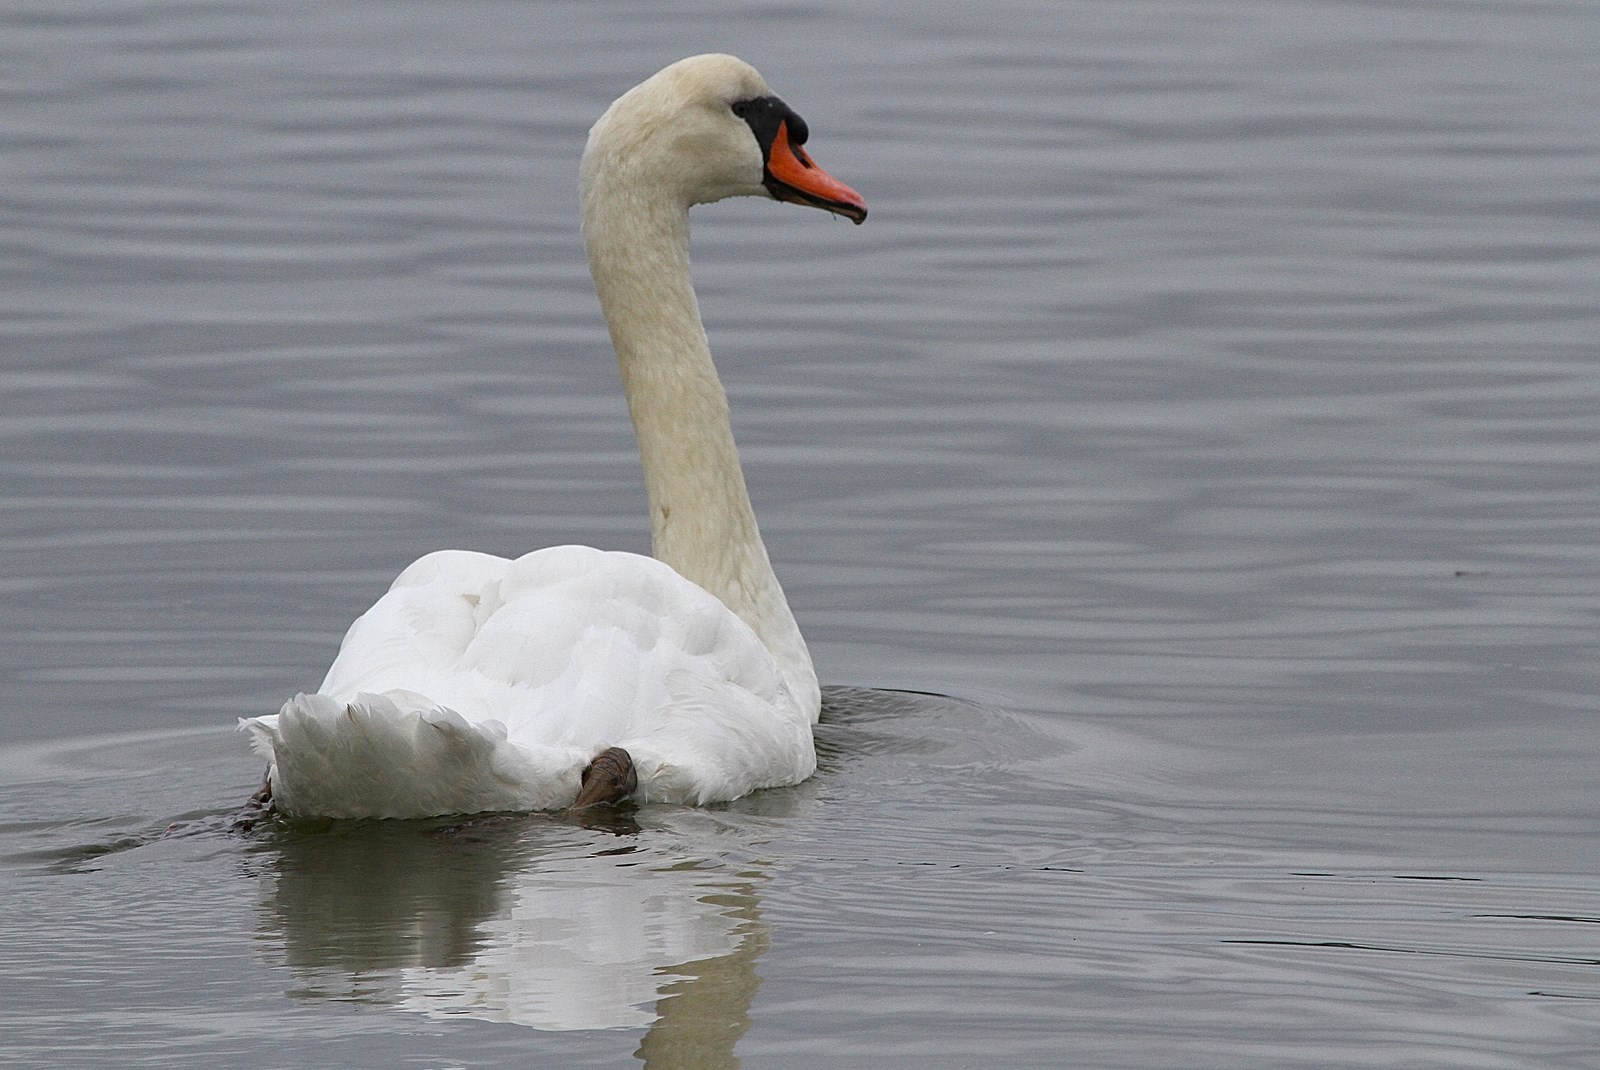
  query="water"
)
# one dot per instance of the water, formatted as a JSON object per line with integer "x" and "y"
{"x": 1209, "y": 404}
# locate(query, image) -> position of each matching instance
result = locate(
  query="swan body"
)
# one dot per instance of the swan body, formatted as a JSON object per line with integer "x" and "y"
{"x": 572, "y": 675}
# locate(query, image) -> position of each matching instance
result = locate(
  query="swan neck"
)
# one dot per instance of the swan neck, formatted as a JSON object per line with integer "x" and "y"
{"x": 701, "y": 520}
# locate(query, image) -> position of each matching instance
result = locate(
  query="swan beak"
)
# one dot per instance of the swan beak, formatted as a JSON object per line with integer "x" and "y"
{"x": 792, "y": 176}
{"x": 609, "y": 778}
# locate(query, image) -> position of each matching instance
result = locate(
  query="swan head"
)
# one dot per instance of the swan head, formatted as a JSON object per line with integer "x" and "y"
{"x": 706, "y": 128}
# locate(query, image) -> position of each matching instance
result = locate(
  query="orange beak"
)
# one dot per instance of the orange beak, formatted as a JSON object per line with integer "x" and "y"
{"x": 792, "y": 176}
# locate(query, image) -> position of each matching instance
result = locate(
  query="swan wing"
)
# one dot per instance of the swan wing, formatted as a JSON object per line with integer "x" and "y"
{"x": 478, "y": 682}
{"x": 400, "y": 755}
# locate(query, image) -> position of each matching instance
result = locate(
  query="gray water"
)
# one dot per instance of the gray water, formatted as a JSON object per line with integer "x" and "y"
{"x": 1210, "y": 407}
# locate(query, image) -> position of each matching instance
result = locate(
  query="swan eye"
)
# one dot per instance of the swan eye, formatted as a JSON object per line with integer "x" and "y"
{"x": 766, "y": 114}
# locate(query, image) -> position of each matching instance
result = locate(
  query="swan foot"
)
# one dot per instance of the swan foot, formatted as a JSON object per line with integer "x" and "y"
{"x": 609, "y": 778}
{"x": 262, "y": 799}
{"x": 258, "y": 808}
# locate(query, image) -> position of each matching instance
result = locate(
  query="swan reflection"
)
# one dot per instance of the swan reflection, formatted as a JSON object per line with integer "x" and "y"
{"x": 530, "y": 920}
{"x": 526, "y": 920}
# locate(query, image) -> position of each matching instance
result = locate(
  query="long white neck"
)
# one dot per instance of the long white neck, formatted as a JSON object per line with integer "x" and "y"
{"x": 701, "y": 521}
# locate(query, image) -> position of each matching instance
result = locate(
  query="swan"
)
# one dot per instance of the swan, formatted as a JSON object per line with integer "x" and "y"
{"x": 572, "y": 676}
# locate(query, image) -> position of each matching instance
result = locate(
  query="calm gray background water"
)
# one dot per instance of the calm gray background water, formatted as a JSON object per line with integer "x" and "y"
{"x": 1211, "y": 405}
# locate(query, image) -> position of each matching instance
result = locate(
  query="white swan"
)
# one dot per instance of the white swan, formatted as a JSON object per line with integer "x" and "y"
{"x": 572, "y": 676}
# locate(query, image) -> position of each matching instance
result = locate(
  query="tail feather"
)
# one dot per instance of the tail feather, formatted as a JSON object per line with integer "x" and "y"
{"x": 399, "y": 755}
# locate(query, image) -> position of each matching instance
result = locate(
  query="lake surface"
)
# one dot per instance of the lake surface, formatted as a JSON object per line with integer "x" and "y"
{"x": 1210, "y": 407}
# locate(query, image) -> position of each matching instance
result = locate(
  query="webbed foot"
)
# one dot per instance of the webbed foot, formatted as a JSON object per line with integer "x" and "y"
{"x": 609, "y": 778}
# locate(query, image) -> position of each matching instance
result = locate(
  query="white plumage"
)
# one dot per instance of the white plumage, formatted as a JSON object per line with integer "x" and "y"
{"x": 479, "y": 683}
